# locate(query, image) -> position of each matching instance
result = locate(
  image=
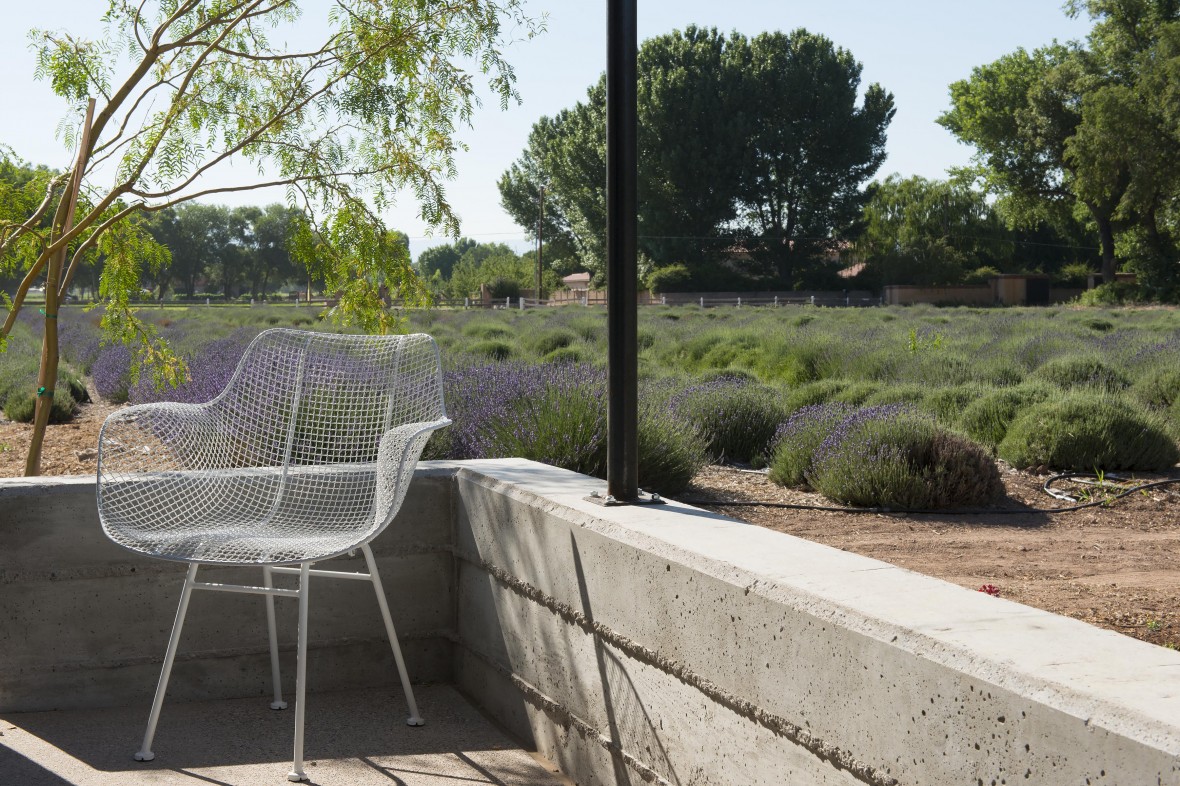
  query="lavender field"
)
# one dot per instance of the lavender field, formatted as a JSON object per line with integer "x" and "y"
{"x": 916, "y": 392}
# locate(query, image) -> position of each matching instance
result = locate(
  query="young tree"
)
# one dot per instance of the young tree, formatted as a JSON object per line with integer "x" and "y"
{"x": 186, "y": 88}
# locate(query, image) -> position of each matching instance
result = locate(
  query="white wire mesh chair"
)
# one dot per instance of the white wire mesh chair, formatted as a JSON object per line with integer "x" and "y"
{"x": 306, "y": 455}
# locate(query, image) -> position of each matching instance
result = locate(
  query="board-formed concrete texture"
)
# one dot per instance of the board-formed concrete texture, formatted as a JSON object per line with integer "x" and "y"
{"x": 84, "y": 622}
{"x": 658, "y": 644}
{"x": 669, "y": 645}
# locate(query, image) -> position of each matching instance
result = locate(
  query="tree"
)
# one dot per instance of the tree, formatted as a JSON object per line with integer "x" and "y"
{"x": 1020, "y": 112}
{"x": 270, "y": 256}
{"x": 694, "y": 119}
{"x": 1129, "y": 129}
{"x": 1069, "y": 127}
{"x": 470, "y": 271}
{"x": 442, "y": 259}
{"x": 811, "y": 148}
{"x": 188, "y": 87}
{"x": 566, "y": 155}
{"x": 756, "y": 139}
{"x": 929, "y": 232}
{"x": 22, "y": 189}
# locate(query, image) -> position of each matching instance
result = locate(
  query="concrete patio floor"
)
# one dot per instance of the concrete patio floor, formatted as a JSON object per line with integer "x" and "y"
{"x": 353, "y": 738}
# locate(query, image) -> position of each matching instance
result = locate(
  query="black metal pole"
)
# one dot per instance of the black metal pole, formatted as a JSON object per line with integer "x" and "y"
{"x": 622, "y": 175}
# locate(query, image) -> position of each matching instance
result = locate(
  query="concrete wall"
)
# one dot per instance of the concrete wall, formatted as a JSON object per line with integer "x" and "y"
{"x": 645, "y": 644}
{"x": 668, "y": 645}
{"x": 84, "y": 623}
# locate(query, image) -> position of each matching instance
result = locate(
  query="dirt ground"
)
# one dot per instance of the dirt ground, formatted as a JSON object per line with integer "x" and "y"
{"x": 1115, "y": 566}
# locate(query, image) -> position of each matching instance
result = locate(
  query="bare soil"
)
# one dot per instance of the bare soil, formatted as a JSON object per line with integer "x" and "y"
{"x": 1114, "y": 566}
{"x": 69, "y": 448}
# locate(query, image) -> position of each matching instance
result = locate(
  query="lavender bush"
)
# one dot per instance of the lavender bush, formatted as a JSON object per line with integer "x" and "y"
{"x": 796, "y": 440}
{"x": 556, "y": 414}
{"x": 812, "y": 393}
{"x": 892, "y": 456}
{"x": 560, "y": 421}
{"x": 1158, "y": 388}
{"x": 78, "y": 338}
{"x": 1088, "y": 432}
{"x": 21, "y": 406}
{"x": 903, "y": 461}
{"x": 112, "y": 373}
{"x": 986, "y": 419}
{"x": 737, "y": 418}
{"x": 947, "y": 404}
{"x": 547, "y": 341}
{"x": 671, "y": 450}
{"x": 1080, "y": 371}
{"x": 209, "y": 369}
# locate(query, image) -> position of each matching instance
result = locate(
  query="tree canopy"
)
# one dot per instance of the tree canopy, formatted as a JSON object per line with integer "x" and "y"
{"x": 458, "y": 270}
{"x": 1089, "y": 129}
{"x": 754, "y": 144}
{"x": 242, "y": 250}
{"x": 940, "y": 232}
{"x": 928, "y": 232}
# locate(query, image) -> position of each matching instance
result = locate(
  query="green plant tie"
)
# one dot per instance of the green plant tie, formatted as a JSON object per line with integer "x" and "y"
{"x": 42, "y": 391}
{"x": 47, "y": 316}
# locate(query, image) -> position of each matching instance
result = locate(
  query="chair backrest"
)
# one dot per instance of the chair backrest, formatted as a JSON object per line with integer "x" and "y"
{"x": 303, "y": 398}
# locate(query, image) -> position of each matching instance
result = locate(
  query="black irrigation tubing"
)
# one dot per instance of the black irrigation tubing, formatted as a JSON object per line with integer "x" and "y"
{"x": 945, "y": 512}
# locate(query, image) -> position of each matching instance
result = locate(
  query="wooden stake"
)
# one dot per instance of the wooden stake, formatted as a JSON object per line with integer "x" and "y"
{"x": 47, "y": 376}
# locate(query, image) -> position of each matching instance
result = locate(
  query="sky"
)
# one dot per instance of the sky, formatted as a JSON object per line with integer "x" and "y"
{"x": 914, "y": 49}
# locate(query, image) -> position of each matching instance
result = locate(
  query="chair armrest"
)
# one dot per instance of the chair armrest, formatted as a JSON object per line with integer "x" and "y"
{"x": 163, "y": 437}
{"x": 397, "y": 456}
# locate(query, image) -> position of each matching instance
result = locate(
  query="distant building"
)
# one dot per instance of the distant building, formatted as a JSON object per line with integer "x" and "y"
{"x": 577, "y": 282}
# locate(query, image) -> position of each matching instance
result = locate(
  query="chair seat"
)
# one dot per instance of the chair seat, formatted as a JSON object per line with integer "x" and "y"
{"x": 243, "y": 517}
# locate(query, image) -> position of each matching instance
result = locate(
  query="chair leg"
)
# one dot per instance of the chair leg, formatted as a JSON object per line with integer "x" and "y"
{"x": 297, "y": 774}
{"x": 415, "y": 719}
{"x": 145, "y": 750}
{"x": 268, "y": 582}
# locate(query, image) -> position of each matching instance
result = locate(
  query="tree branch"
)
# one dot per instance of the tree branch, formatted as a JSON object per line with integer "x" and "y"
{"x": 89, "y": 242}
{"x": 10, "y": 235}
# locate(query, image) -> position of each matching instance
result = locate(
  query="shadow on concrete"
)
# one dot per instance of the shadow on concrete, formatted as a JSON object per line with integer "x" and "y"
{"x": 628, "y": 719}
{"x": 15, "y": 768}
{"x": 242, "y": 741}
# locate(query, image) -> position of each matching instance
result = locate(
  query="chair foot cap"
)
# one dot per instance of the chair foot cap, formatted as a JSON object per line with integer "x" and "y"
{"x": 296, "y": 777}
{"x": 415, "y": 721}
{"x": 278, "y": 705}
{"x": 144, "y": 756}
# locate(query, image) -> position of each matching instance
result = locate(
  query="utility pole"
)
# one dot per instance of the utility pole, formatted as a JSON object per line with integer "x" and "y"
{"x": 540, "y": 226}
